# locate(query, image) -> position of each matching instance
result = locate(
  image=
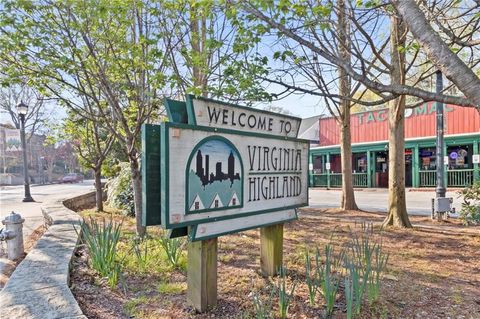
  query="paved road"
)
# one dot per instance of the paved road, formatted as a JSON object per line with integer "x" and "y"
{"x": 418, "y": 202}
{"x": 11, "y": 200}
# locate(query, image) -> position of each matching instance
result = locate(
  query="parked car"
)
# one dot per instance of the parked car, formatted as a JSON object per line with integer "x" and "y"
{"x": 72, "y": 178}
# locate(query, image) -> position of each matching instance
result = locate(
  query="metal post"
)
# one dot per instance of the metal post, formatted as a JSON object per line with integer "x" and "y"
{"x": 440, "y": 189}
{"x": 369, "y": 170}
{"x": 28, "y": 196}
{"x": 328, "y": 171}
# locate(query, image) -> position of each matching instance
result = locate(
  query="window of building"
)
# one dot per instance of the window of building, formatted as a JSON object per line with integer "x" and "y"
{"x": 197, "y": 205}
{"x": 359, "y": 162}
{"x": 427, "y": 158}
{"x": 216, "y": 203}
{"x": 459, "y": 157}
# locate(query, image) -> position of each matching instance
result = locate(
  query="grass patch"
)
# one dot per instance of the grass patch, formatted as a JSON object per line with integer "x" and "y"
{"x": 225, "y": 258}
{"x": 130, "y": 306}
{"x": 172, "y": 288}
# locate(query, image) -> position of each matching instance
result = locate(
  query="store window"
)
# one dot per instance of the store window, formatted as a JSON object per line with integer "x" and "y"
{"x": 359, "y": 164}
{"x": 427, "y": 158}
{"x": 459, "y": 157}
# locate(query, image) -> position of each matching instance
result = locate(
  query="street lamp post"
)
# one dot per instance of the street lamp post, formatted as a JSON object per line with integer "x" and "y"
{"x": 440, "y": 189}
{"x": 22, "y": 109}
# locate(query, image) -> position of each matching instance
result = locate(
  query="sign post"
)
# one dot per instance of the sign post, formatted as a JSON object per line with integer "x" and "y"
{"x": 271, "y": 249}
{"x": 224, "y": 169}
{"x": 202, "y": 274}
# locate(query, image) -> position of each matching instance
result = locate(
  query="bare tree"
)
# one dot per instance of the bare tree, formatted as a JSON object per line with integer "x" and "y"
{"x": 363, "y": 71}
{"x": 377, "y": 70}
{"x": 37, "y": 115}
{"x": 439, "y": 51}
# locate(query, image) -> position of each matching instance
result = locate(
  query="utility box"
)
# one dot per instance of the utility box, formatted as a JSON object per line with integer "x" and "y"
{"x": 443, "y": 204}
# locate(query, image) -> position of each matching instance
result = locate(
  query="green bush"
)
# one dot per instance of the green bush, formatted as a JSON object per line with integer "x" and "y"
{"x": 120, "y": 191}
{"x": 470, "y": 212}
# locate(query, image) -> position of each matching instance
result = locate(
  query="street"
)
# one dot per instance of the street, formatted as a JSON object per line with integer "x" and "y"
{"x": 376, "y": 200}
{"x": 418, "y": 202}
{"x": 11, "y": 200}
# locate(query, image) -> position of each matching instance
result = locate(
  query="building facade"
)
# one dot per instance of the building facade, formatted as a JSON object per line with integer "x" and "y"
{"x": 370, "y": 148}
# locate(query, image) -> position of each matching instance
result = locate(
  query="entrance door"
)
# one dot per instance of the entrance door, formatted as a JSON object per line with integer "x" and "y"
{"x": 408, "y": 168}
{"x": 381, "y": 169}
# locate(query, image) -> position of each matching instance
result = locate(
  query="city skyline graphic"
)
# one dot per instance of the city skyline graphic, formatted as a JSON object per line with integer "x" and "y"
{"x": 215, "y": 179}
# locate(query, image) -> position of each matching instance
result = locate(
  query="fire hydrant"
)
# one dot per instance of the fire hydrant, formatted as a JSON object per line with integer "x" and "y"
{"x": 13, "y": 235}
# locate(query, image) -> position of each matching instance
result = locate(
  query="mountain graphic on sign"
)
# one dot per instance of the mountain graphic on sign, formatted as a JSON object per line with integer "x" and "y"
{"x": 215, "y": 178}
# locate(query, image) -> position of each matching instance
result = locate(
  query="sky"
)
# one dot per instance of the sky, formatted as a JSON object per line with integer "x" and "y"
{"x": 302, "y": 105}
{"x": 218, "y": 151}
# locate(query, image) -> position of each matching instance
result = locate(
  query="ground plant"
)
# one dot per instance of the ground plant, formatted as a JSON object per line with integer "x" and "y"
{"x": 379, "y": 265}
{"x": 173, "y": 248}
{"x": 263, "y": 306}
{"x": 311, "y": 277}
{"x": 140, "y": 248}
{"x": 329, "y": 281}
{"x": 101, "y": 239}
{"x": 349, "y": 296}
{"x": 470, "y": 211}
{"x": 285, "y": 295}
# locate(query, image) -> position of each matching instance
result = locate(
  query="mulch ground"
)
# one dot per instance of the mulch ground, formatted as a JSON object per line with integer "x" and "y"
{"x": 433, "y": 272}
{"x": 10, "y": 265}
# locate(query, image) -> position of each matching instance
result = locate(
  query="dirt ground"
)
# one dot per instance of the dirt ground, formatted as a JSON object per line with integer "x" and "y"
{"x": 10, "y": 265}
{"x": 433, "y": 272}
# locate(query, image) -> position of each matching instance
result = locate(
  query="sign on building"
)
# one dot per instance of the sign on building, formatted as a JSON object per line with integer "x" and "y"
{"x": 476, "y": 158}
{"x": 227, "y": 169}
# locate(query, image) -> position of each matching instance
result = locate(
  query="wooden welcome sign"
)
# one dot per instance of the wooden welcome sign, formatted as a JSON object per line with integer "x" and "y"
{"x": 215, "y": 169}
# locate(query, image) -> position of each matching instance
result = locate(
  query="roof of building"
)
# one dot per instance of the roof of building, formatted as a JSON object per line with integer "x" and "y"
{"x": 309, "y": 127}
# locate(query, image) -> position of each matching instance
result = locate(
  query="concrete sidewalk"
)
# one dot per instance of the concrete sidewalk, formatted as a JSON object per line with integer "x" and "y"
{"x": 44, "y": 195}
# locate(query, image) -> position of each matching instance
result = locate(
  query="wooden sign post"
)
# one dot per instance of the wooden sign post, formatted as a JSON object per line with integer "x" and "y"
{"x": 271, "y": 249}
{"x": 202, "y": 274}
{"x": 223, "y": 169}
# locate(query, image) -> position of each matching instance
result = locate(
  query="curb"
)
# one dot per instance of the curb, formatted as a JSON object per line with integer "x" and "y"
{"x": 38, "y": 288}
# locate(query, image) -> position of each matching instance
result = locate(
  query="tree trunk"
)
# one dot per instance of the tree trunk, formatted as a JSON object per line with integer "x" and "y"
{"x": 137, "y": 193}
{"x": 348, "y": 196}
{"x": 98, "y": 189}
{"x": 438, "y": 51}
{"x": 397, "y": 206}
